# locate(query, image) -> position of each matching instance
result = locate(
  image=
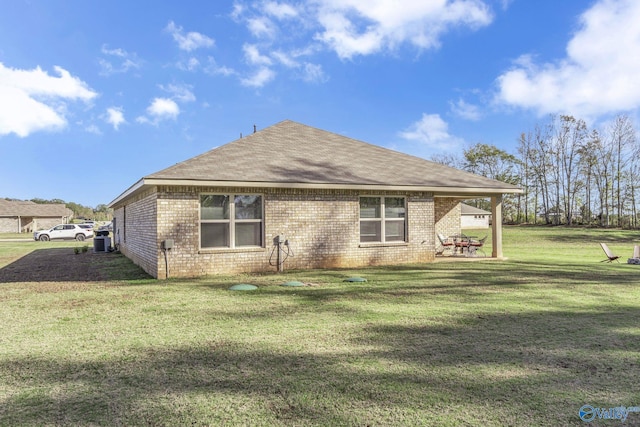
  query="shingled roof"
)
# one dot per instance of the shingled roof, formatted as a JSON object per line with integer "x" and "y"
{"x": 14, "y": 208}
{"x": 290, "y": 154}
{"x": 472, "y": 210}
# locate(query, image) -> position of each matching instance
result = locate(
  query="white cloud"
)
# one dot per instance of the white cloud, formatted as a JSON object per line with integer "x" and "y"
{"x": 261, "y": 77}
{"x": 114, "y": 52}
{"x": 598, "y": 75}
{"x": 32, "y": 100}
{"x": 160, "y": 109}
{"x": 180, "y": 92}
{"x": 163, "y": 108}
{"x": 313, "y": 73}
{"x": 190, "y": 41}
{"x": 92, "y": 128}
{"x": 115, "y": 117}
{"x": 191, "y": 64}
{"x": 465, "y": 110}
{"x": 253, "y": 56}
{"x": 214, "y": 69}
{"x": 289, "y": 33}
{"x": 261, "y": 27}
{"x": 280, "y": 10}
{"x": 432, "y": 131}
{"x": 285, "y": 59}
{"x": 125, "y": 61}
{"x": 363, "y": 27}
{"x": 238, "y": 10}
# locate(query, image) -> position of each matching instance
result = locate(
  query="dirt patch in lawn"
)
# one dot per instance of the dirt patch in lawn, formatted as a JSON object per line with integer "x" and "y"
{"x": 63, "y": 265}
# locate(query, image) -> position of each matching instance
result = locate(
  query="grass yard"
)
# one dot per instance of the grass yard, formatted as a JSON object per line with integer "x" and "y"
{"x": 524, "y": 342}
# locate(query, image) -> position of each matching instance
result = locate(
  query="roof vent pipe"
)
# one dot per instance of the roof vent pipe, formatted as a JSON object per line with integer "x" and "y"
{"x": 254, "y": 128}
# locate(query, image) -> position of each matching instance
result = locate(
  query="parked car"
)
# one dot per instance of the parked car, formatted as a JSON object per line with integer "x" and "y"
{"x": 106, "y": 227}
{"x": 64, "y": 231}
{"x": 91, "y": 223}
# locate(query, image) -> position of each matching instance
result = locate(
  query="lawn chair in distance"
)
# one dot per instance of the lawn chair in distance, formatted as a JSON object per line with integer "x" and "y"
{"x": 610, "y": 255}
{"x": 636, "y": 256}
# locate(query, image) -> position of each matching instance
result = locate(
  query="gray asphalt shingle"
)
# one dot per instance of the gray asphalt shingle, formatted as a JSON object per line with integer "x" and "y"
{"x": 12, "y": 208}
{"x": 293, "y": 153}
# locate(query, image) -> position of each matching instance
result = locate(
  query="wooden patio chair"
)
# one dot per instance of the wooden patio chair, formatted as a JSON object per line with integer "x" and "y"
{"x": 610, "y": 255}
{"x": 446, "y": 244}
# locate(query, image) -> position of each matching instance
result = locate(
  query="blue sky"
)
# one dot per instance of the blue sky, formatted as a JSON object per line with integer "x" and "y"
{"x": 82, "y": 83}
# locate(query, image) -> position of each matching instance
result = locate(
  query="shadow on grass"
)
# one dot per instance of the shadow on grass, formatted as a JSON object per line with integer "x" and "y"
{"x": 536, "y": 368}
{"x": 467, "y": 279}
{"x": 64, "y": 265}
{"x": 584, "y": 236}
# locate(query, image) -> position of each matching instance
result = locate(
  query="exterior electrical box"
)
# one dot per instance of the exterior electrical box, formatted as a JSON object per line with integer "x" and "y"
{"x": 167, "y": 244}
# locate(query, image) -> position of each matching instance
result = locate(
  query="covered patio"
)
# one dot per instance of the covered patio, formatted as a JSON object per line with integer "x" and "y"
{"x": 464, "y": 246}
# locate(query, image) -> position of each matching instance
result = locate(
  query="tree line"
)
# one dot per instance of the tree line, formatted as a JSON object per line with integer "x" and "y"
{"x": 570, "y": 174}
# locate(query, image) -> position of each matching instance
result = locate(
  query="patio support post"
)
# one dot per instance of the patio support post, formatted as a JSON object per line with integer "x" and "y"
{"x": 496, "y": 228}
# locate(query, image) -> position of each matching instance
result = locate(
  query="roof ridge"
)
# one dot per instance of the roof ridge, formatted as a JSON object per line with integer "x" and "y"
{"x": 290, "y": 152}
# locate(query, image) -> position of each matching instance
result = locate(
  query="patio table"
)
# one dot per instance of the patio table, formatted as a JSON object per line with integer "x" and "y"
{"x": 463, "y": 242}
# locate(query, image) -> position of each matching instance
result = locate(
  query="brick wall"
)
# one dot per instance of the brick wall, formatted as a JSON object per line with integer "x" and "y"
{"x": 447, "y": 216}
{"x": 322, "y": 227}
{"x": 27, "y": 224}
{"x": 136, "y": 231}
{"x": 32, "y": 224}
{"x": 9, "y": 225}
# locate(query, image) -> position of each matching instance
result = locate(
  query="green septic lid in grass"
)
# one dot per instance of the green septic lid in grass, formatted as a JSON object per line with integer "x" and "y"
{"x": 243, "y": 287}
{"x": 355, "y": 279}
{"x": 293, "y": 284}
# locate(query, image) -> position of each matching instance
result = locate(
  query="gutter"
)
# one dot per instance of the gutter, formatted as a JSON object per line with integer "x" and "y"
{"x": 463, "y": 192}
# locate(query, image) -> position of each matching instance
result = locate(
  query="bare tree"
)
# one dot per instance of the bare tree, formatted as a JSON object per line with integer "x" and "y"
{"x": 448, "y": 159}
{"x": 622, "y": 138}
{"x": 587, "y": 165}
{"x": 570, "y": 135}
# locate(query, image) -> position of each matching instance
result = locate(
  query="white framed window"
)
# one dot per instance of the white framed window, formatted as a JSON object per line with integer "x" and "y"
{"x": 231, "y": 220}
{"x": 383, "y": 219}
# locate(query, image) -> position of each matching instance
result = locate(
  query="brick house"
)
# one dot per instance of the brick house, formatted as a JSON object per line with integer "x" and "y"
{"x": 337, "y": 202}
{"x": 18, "y": 216}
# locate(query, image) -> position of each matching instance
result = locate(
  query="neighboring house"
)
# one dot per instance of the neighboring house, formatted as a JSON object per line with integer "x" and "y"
{"x": 336, "y": 201}
{"x": 472, "y": 217}
{"x": 26, "y": 216}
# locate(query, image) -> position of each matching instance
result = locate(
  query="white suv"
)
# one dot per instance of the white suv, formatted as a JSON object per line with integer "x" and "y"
{"x": 64, "y": 231}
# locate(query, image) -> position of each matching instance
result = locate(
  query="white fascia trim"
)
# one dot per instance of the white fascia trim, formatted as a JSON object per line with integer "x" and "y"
{"x": 443, "y": 190}
{"x": 437, "y": 191}
{"x": 129, "y": 191}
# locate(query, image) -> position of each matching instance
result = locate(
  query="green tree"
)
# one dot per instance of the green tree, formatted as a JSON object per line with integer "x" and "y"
{"x": 492, "y": 162}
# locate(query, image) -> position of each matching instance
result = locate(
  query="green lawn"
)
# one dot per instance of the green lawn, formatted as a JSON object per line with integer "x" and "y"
{"x": 524, "y": 342}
